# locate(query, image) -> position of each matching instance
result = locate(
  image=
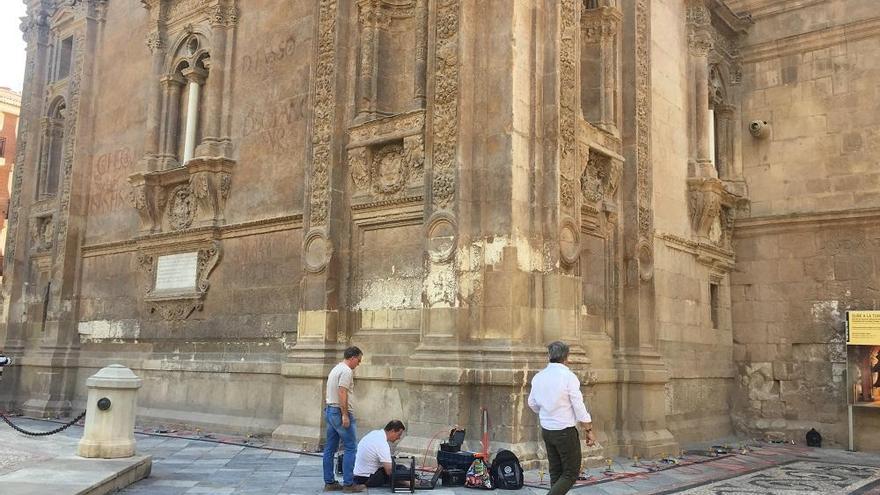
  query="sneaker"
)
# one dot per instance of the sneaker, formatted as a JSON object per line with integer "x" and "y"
{"x": 333, "y": 487}
{"x": 353, "y": 488}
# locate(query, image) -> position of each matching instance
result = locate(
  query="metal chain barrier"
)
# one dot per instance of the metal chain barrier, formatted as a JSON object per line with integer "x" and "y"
{"x": 42, "y": 433}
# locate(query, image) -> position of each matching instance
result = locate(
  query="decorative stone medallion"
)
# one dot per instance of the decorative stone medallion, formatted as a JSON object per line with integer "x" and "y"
{"x": 442, "y": 239}
{"x": 569, "y": 243}
{"x": 317, "y": 252}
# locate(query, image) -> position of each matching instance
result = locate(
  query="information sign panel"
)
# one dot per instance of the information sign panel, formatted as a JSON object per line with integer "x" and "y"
{"x": 864, "y": 327}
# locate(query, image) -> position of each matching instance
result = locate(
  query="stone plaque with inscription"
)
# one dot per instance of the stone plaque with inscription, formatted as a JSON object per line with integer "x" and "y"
{"x": 177, "y": 272}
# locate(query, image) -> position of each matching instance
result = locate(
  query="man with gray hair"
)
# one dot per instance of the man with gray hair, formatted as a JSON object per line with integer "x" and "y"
{"x": 557, "y": 400}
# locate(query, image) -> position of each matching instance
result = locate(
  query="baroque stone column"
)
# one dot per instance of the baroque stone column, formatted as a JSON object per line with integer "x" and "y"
{"x": 154, "y": 103}
{"x": 35, "y": 30}
{"x": 368, "y": 21}
{"x": 699, "y": 45}
{"x": 171, "y": 127}
{"x": 212, "y": 144}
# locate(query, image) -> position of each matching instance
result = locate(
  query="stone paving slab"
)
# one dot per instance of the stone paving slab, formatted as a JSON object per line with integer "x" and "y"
{"x": 192, "y": 465}
{"x": 49, "y": 465}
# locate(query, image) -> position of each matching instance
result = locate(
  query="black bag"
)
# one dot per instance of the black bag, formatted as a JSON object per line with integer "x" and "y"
{"x": 507, "y": 472}
{"x": 814, "y": 439}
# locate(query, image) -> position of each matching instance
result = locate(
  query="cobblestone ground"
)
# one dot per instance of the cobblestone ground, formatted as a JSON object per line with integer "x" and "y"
{"x": 183, "y": 464}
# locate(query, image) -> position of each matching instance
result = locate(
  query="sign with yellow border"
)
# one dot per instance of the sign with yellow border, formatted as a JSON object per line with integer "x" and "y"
{"x": 864, "y": 327}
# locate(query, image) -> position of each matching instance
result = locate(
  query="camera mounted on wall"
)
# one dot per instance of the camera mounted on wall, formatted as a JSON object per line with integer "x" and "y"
{"x": 4, "y": 361}
{"x": 759, "y": 128}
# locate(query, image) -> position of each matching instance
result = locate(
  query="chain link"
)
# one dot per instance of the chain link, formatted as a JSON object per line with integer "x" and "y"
{"x": 42, "y": 433}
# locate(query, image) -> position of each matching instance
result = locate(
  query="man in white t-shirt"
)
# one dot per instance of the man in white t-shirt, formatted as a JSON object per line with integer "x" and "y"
{"x": 341, "y": 425}
{"x": 373, "y": 465}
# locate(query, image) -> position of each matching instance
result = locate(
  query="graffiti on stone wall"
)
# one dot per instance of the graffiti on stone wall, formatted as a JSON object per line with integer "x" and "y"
{"x": 272, "y": 126}
{"x": 263, "y": 62}
{"x": 109, "y": 190}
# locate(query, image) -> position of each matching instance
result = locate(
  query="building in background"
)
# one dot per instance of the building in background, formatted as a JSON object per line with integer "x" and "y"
{"x": 685, "y": 191}
{"x": 10, "y": 105}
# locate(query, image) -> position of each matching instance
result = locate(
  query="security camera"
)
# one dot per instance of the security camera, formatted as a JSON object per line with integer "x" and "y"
{"x": 759, "y": 128}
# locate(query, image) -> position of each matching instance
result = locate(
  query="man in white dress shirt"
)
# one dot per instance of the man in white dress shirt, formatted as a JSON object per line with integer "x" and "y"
{"x": 556, "y": 398}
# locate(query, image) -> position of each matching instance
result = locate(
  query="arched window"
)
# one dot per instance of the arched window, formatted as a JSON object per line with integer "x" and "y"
{"x": 52, "y": 149}
{"x": 184, "y": 100}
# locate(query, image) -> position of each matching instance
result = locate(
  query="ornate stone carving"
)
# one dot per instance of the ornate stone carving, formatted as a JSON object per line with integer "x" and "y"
{"x": 42, "y": 233}
{"x": 697, "y": 14}
{"x": 324, "y": 113}
{"x": 176, "y": 305}
{"x": 386, "y": 155}
{"x": 600, "y": 178}
{"x": 154, "y": 41}
{"x": 70, "y": 121}
{"x": 181, "y": 208}
{"x": 699, "y": 43}
{"x": 446, "y": 93}
{"x": 643, "y": 118}
{"x": 566, "y": 192}
{"x": 34, "y": 26}
{"x": 389, "y": 171}
{"x": 568, "y": 78}
{"x": 710, "y": 205}
{"x": 145, "y": 267}
{"x": 182, "y": 197}
{"x": 357, "y": 166}
{"x": 176, "y": 310}
{"x": 599, "y": 24}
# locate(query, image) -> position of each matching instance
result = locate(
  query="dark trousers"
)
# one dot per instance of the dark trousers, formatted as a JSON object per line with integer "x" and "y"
{"x": 564, "y": 456}
{"x": 379, "y": 478}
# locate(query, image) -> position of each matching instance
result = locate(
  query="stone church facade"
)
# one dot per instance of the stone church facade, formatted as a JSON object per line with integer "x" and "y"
{"x": 224, "y": 194}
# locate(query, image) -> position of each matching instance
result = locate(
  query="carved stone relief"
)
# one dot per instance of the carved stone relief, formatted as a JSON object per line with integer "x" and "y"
{"x": 600, "y": 177}
{"x": 446, "y": 93}
{"x": 643, "y": 120}
{"x": 42, "y": 233}
{"x": 711, "y": 209}
{"x": 324, "y": 114}
{"x": 181, "y": 208}
{"x": 190, "y": 196}
{"x": 176, "y": 305}
{"x": 387, "y": 156}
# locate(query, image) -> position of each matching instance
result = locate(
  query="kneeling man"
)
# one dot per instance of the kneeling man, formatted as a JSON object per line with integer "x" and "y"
{"x": 373, "y": 465}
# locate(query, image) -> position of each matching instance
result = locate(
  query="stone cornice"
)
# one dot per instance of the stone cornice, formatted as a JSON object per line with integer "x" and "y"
{"x": 766, "y": 8}
{"x": 244, "y": 229}
{"x": 706, "y": 253}
{"x": 813, "y": 40}
{"x": 747, "y": 227}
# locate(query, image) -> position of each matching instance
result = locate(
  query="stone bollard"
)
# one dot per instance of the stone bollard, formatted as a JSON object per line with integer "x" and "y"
{"x": 110, "y": 413}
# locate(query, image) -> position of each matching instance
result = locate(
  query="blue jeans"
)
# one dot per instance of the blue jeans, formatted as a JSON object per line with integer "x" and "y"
{"x": 335, "y": 433}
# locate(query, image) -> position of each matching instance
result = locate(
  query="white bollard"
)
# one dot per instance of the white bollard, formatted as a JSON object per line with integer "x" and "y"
{"x": 110, "y": 412}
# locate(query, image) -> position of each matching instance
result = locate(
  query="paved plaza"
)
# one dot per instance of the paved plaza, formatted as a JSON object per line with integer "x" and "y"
{"x": 187, "y": 462}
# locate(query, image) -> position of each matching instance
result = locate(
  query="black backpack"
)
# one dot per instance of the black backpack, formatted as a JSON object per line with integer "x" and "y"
{"x": 507, "y": 473}
{"x": 814, "y": 439}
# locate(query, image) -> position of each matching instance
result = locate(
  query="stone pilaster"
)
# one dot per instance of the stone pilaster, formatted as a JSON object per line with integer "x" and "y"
{"x": 322, "y": 322}
{"x": 641, "y": 371}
